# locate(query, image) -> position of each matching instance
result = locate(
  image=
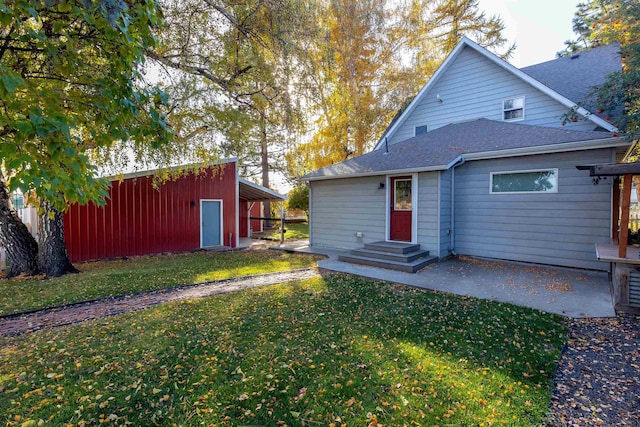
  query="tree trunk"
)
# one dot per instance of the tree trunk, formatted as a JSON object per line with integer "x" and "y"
{"x": 21, "y": 247}
{"x": 53, "y": 257}
{"x": 264, "y": 154}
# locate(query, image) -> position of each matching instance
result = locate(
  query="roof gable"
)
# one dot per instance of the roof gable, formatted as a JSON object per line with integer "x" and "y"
{"x": 446, "y": 65}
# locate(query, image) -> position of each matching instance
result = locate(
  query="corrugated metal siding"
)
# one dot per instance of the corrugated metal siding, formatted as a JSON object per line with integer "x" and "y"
{"x": 256, "y": 212}
{"x": 473, "y": 87}
{"x": 428, "y": 212}
{"x": 243, "y": 218}
{"x": 245, "y": 214}
{"x": 342, "y": 207}
{"x": 553, "y": 228}
{"x": 138, "y": 219}
{"x": 445, "y": 213}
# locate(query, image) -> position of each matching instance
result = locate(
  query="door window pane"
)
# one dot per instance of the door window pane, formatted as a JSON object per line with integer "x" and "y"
{"x": 402, "y": 193}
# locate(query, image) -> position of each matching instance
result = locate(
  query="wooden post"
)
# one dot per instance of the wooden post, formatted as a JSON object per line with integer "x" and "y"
{"x": 624, "y": 217}
{"x": 282, "y": 223}
{"x": 615, "y": 214}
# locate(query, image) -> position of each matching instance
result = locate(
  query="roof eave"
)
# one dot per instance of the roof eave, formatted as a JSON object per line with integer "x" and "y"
{"x": 496, "y": 154}
{"x": 548, "y": 149}
{"x": 377, "y": 173}
{"x": 151, "y": 172}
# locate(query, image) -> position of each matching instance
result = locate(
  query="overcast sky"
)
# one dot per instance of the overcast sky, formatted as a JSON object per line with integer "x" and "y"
{"x": 538, "y": 27}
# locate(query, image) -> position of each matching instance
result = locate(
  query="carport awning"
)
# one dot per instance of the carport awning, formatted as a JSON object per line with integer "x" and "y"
{"x": 254, "y": 192}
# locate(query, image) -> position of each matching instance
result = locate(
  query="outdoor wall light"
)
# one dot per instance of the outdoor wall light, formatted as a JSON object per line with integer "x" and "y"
{"x": 381, "y": 186}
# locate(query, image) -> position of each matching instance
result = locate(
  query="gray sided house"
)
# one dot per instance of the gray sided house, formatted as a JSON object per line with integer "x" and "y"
{"x": 481, "y": 164}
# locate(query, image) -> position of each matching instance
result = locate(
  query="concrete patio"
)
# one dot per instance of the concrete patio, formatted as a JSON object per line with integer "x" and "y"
{"x": 564, "y": 291}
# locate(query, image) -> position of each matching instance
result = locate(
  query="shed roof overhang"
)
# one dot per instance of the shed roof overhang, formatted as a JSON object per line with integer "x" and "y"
{"x": 252, "y": 192}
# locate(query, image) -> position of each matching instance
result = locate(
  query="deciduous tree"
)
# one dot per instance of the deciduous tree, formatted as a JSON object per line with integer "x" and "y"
{"x": 369, "y": 58}
{"x": 298, "y": 198}
{"x": 68, "y": 84}
{"x": 230, "y": 63}
{"x": 600, "y": 22}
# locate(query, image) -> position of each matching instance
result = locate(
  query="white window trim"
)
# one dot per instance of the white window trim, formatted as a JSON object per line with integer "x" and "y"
{"x": 524, "y": 171}
{"x": 524, "y": 105}
{"x": 414, "y": 203}
{"x": 415, "y": 129}
{"x": 395, "y": 193}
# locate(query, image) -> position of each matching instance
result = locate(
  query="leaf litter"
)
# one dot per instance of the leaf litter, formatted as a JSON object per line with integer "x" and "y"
{"x": 597, "y": 382}
{"x": 333, "y": 351}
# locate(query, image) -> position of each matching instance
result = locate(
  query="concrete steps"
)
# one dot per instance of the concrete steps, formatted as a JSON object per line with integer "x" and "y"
{"x": 390, "y": 255}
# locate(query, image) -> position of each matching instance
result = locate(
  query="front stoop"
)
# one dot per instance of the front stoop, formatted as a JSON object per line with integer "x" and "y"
{"x": 390, "y": 255}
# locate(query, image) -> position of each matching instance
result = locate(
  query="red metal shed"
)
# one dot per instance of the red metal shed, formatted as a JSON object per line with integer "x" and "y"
{"x": 191, "y": 212}
{"x": 248, "y": 210}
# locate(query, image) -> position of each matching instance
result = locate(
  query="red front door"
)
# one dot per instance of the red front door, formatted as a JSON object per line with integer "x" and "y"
{"x": 401, "y": 209}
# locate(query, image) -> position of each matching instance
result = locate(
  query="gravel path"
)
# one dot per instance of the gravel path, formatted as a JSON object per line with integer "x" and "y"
{"x": 597, "y": 382}
{"x": 58, "y": 316}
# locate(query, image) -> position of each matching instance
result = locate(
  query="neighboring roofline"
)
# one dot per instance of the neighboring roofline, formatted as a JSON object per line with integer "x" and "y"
{"x": 261, "y": 188}
{"x": 496, "y": 154}
{"x": 150, "y": 172}
{"x": 505, "y": 65}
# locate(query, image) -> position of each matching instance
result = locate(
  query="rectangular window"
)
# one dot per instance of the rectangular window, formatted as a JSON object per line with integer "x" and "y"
{"x": 402, "y": 195}
{"x": 513, "y": 109}
{"x": 532, "y": 181}
{"x": 419, "y": 130}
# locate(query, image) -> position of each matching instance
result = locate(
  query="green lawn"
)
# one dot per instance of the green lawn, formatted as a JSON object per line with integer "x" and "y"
{"x": 293, "y": 232}
{"x": 109, "y": 278}
{"x": 336, "y": 351}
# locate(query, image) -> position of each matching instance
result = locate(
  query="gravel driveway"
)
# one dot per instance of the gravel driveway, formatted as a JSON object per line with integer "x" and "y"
{"x": 597, "y": 382}
{"x": 74, "y": 313}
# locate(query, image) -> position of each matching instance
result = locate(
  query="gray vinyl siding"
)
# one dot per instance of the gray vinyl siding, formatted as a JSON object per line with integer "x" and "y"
{"x": 428, "y": 212}
{"x": 342, "y": 207}
{"x": 445, "y": 213}
{"x": 474, "y": 87}
{"x": 549, "y": 228}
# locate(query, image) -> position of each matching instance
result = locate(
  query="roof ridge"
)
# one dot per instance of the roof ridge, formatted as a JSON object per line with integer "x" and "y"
{"x": 560, "y": 58}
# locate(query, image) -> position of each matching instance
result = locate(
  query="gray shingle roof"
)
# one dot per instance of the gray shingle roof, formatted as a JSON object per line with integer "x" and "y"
{"x": 438, "y": 148}
{"x": 575, "y": 76}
